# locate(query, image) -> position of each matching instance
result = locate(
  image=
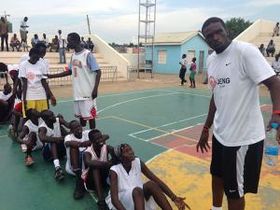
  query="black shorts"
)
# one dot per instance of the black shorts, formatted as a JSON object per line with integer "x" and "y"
{"x": 239, "y": 167}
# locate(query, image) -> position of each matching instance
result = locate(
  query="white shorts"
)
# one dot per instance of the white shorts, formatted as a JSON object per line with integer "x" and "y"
{"x": 85, "y": 109}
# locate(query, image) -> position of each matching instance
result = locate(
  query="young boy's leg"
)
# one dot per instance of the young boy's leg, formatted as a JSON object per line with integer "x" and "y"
{"x": 76, "y": 163}
{"x": 59, "y": 175}
{"x": 30, "y": 143}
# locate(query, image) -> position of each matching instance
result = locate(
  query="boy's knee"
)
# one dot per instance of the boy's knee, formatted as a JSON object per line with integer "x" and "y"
{"x": 137, "y": 192}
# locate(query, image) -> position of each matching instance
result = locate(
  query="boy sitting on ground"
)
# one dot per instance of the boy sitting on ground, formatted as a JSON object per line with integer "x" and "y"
{"x": 76, "y": 143}
{"x": 7, "y": 100}
{"x": 97, "y": 164}
{"x": 28, "y": 137}
{"x": 52, "y": 133}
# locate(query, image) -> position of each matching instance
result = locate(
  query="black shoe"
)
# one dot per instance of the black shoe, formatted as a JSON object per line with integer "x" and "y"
{"x": 59, "y": 175}
{"x": 102, "y": 205}
{"x": 79, "y": 191}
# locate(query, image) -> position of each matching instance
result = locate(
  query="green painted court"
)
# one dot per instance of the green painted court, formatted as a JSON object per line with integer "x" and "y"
{"x": 153, "y": 122}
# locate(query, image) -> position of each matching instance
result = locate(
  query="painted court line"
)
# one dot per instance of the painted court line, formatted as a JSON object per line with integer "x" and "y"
{"x": 147, "y": 126}
{"x": 172, "y": 123}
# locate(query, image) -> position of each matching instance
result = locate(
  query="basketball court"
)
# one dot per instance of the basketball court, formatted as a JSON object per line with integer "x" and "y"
{"x": 162, "y": 125}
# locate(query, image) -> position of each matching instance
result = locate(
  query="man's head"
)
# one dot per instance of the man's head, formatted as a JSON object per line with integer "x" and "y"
{"x": 32, "y": 114}
{"x": 2, "y": 19}
{"x": 7, "y": 89}
{"x": 34, "y": 55}
{"x": 48, "y": 116}
{"x": 42, "y": 49}
{"x": 125, "y": 153}
{"x": 25, "y": 19}
{"x": 76, "y": 128}
{"x": 277, "y": 57}
{"x": 73, "y": 40}
{"x": 59, "y": 32}
{"x": 215, "y": 33}
{"x": 184, "y": 56}
{"x": 97, "y": 139}
{"x": 44, "y": 35}
{"x": 194, "y": 59}
{"x": 35, "y": 36}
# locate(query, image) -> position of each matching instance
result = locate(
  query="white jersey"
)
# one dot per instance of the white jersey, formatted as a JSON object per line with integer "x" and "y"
{"x": 33, "y": 128}
{"x": 103, "y": 157}
{"x": 52, "y": 132}
{"x": 34, "y": 73}
{"x": 234, "y": 76}
{"x": 71, "y": 137}
{"x": 126, "y": 183}
{"x": 83, "y": 78}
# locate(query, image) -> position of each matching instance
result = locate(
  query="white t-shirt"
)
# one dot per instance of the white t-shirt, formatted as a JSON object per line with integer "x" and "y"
{"x": 83, "y": 76}
{"x": 126, "y": 183}
{"x": 34, "y": 73}
{"x": 71, "y": 137}
{"x": 45, "y": 61}
{"x": 5, "y": 97}
{"x": 184, "y": 62}
{"x": 23, "y": 25}
{"x": 234, "y": 76}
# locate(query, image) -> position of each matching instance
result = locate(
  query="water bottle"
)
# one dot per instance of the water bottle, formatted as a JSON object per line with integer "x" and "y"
{"x": 271, "y": 146}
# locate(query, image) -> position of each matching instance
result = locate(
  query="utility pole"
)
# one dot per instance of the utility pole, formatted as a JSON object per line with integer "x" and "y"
{"x": 89, "y": 31}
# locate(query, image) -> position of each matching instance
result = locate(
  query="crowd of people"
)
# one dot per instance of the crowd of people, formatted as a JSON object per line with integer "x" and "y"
{"x": 235, "y": 70}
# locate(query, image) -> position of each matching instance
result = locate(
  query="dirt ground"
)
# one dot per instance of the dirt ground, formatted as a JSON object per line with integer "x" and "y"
{"x": 144, "y": 82}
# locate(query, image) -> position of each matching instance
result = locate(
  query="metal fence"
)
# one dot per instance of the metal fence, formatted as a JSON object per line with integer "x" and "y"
{"x": 109, "y": 73}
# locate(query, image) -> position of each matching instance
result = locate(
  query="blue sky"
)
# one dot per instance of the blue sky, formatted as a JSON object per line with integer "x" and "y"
{"x": 117, "y": 20}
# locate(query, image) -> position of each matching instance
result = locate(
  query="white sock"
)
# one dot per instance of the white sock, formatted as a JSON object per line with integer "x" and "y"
{"x": 56, "y": 163}
{"x": 216, "y": 208}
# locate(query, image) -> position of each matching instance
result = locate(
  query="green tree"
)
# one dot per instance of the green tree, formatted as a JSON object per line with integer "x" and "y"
{"x": 237, "y": 25}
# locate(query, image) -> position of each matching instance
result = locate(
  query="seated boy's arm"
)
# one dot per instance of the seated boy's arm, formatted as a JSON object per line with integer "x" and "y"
{"x": 77, "y": 144}
{"x": 114, "y": 190}
{"x": 23, "y": 133}
{"x": 114, "y": 158}
{"x": 96, "y": 163}
{"x": 42, "y": 132}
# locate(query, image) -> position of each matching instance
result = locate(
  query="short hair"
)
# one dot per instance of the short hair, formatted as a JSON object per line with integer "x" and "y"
{"x": 75, "y": 36}
{"x": 92, "y": 133}
{"x": 3, "y": 67}
{"x": 212, "y": 20}
{"x": 71, "y": 123}
{"x": 34, "y": 51}
{"x": 40, "y": 44}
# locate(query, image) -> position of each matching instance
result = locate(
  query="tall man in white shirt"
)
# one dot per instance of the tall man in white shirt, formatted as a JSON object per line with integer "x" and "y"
{"x": 235, "y": 71}
{"x": 86, "y": 76}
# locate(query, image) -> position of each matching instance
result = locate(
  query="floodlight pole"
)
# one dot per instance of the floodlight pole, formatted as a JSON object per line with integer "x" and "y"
{"x": 89, "y": 31}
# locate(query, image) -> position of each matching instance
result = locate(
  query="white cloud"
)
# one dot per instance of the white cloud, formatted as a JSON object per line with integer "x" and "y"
{"x": 263, "y": 3}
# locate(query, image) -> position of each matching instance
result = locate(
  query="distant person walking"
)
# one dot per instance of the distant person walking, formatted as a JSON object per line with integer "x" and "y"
{"x": 23, "y": 30}
{"x": 183, "y": 69}
{"x": 4, "y": 33}
{"x": 276, "y": 30}
{"x": 61, "y": 47}
{"x": 193, "y": 73}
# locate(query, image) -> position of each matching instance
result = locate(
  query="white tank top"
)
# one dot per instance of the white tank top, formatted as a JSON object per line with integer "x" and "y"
{"x": 34, "y": 128}
{"x": 103, "y": 157}
{"x": 83, "y": 79}
{"x": 55, "y": 132}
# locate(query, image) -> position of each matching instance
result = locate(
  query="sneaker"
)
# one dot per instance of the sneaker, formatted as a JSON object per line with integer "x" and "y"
{"x": 23, "y": 148}
{"x": 59, "y": 175}
{"x": 79, "y": 191}
{"x": 102, "y": 205}
{"x": 28, "y": 161}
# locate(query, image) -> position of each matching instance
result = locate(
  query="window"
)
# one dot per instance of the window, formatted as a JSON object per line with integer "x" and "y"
{"x": 190, "y": 55}
{"x": 162, "y": 55}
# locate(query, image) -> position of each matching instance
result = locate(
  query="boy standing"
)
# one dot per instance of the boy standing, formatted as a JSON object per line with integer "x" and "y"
{"x": 86, "y": 76}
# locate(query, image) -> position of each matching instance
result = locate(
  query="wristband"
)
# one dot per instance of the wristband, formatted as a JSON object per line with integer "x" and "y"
{"x": 276, "y": 112}
{"x": 205, "y": 128}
